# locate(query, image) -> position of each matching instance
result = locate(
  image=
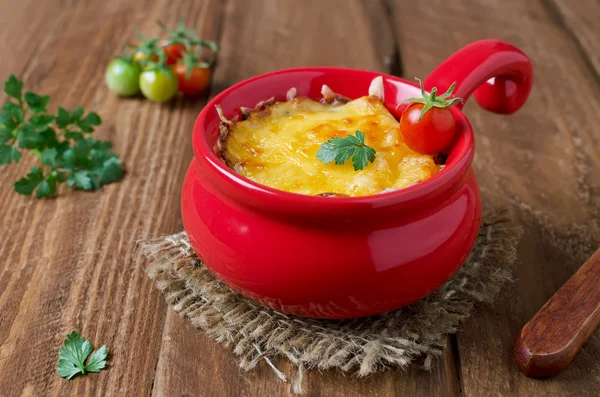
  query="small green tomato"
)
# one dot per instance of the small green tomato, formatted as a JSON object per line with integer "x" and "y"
{"x": 122, "y": 77}
{"x": 158, "y": 84}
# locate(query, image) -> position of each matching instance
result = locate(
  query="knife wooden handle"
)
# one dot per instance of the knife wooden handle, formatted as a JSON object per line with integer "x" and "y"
{"x": 550, "y": 340}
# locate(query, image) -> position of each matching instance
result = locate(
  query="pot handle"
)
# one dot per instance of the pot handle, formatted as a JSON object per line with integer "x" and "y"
{"x": 499, "y": 74}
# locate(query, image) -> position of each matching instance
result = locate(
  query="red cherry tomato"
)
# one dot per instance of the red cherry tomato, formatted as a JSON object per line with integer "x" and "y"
{"x": 430, "y": 135}
{"x": 428, "y": 125}
{"x": 174, "y": 52}
{"x": 195, "y": 83}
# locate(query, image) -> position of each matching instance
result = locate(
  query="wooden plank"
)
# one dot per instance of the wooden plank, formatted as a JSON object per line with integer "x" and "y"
{"x": 68, "y": 263}
{"x": 580, "y": 20}
{"x": 271, "y": 35}
{"x": 543, "y": 159}
{"x": 25, "y": 26}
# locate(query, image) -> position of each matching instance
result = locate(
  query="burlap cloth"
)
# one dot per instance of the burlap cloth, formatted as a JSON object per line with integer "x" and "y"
{"x": 415, "y": 334}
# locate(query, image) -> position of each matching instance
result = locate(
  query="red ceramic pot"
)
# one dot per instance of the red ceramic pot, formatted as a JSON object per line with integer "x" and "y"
{"x": 330, "y": 257}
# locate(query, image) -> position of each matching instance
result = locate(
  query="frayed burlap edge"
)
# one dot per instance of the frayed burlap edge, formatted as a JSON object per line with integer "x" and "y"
{"x": 367, "y": 345}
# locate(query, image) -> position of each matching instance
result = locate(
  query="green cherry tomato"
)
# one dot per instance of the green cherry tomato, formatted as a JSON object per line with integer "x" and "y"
{"x": 122, "y": 77}
{"x": 158, "y": 85}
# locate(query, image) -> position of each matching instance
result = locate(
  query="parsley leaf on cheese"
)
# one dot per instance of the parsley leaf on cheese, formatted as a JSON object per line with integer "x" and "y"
{"x": 339, "y": 150}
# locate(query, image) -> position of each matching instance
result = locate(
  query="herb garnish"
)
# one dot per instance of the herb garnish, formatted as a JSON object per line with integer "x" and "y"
{"x": 341, "y": 149}
{"x": 59, "y": 141}
{"x": 72, "y": 357}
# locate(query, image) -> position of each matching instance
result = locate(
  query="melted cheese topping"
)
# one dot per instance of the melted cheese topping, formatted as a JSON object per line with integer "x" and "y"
{"x": 276, "y": 147}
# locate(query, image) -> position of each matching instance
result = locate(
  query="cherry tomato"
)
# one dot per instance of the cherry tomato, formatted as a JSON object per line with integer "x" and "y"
{"x": 140, "y": 56}
{"x": 158, "y": 84}
{"x": 430, "y": 135}
{"x": 122, "y": 77}
{"x": 196, "y": 82}
{"x": 174, "y": 52}
{"x": 428, "y": 125}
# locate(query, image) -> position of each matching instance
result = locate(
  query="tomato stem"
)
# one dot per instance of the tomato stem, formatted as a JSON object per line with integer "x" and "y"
{"x": 432, "y": 100}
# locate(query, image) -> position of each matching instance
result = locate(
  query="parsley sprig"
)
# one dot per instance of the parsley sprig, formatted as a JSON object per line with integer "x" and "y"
{"x": 61, "y": 142}
{"x": 72, "y": 357}
{"x": 340, "y": 150}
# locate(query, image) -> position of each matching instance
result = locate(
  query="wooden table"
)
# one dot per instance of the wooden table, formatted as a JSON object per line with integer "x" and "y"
{"x": 69, "y": 264}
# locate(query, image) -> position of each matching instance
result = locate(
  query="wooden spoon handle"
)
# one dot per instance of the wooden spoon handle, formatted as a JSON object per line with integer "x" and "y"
{"x": 550, "y": 340}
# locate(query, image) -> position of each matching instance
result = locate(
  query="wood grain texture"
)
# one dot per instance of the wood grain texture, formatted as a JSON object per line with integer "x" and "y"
{"x": 580, "y": 19}
{"x": 550, "y": 340}
{"x": 69, "y": 263}
{"x": 543, "y": 159}
{"x": 19, "y": 42}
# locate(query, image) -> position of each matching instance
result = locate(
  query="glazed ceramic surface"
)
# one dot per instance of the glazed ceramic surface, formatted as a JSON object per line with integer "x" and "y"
{"x": 331, "y": 257}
